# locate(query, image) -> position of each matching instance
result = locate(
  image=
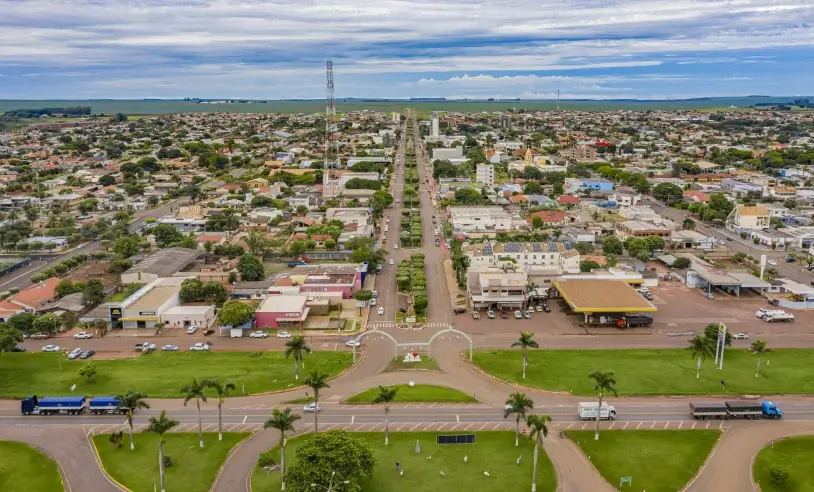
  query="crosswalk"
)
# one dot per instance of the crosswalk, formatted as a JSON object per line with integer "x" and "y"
{"x": 392, "y": 325}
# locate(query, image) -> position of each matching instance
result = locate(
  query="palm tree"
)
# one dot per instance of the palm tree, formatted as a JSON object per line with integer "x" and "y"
{"x": 132, "y": 401}
{"x": 196, "y": 390}
{"x": 386, "y": 395}
{"x": 256, "y": 242}
{"x": 759, "y": 348}
{"x": 222, "y": 389}
{"x": 283, "y": 421}
{"x": 538, "y": 430}
{"x": 700, "y": 347}
{"x": 524, "y": 342}
{"x": 531, "y": 289}
{"x": 297, "y": 348}
{"x": 517, "y": 404}
{"x": 604, "y": 382}
{"x": 317, "y": 382}
{"x": 159, "y": 426}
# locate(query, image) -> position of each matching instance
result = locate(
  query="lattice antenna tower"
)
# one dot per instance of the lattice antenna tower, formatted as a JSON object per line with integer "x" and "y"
{"x": 331, "y": 164}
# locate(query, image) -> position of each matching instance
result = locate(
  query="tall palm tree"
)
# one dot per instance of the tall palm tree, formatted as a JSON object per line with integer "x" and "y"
{"x": 196, "y": 390}
{"x": 604, "y": 382}
{"x": 317, "y": 382}
{"x": 297, "y": 348}
{"x": 386, "y": 395}
{"x": 222, "y": 390}
{"x": 256, "y": 242}
{"x": 700, "y": 347}
{"x": 759, "y": 348}
{"x": 159, "y": 426}
{"x": 538, "y": 430}
{"x": 132, "y": 401}
{"x": 530, "y": 289}
{"x": 283, "y": 421}
{"x": 517, "y": 404}
{"x": 525, "y": 342}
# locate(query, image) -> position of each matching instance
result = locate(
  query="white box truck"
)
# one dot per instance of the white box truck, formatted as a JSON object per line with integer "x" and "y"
{"x": 587, "y": 411}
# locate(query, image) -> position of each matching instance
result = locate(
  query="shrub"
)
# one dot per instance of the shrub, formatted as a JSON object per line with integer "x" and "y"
{"x": 779, "y": 474}
{"x": 266, "y": 459}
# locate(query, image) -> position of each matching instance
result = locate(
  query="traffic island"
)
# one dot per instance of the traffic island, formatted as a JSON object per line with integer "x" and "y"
{"x": 656, "y": 461}
{"x": 491, "y": 464}
{"x": 417, "y": 393}
{"x": 24, "y": 468}
{"x": 426, "y": 363}
{"x": 192, "y": 468}
{"x": 786, "y": 465}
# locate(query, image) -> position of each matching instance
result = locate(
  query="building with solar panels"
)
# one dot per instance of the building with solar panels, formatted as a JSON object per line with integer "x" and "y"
{"x": 561, "y": 256}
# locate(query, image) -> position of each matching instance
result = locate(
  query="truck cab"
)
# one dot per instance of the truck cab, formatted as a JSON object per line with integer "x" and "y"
{"x": 772, "y": 411}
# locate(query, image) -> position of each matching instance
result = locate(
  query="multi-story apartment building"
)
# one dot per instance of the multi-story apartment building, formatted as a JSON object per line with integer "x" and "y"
{"x": 495, "y": 288}
{"x": 558, "y": 256}
{"x": 744, "y": 219}
{"x": 485, "y": 175}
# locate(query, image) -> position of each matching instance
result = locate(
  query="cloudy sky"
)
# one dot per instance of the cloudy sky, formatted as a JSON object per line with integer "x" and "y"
{"x": 392, "y": 48}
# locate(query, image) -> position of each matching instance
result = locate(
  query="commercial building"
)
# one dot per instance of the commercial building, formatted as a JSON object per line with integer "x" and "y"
{"x": 483, "y": 221}
{"x": 159, "y": 301}
{"x": 495, "y": 288}
{"x": 279, "y": 311}
{"x": 596, "y": 297}
{"x": 748, "y": 219}
{"x": 448, "y": 153}
{"x": 638, "y": 228}
{"x": 485, "y": 175}
{"x": 320, "y": 281}
{"x": 163, "y": 263}
{"x": 558, "y": 256}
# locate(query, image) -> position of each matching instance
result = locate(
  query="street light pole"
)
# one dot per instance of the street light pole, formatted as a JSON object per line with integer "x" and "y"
{"x": 330, "y": 487}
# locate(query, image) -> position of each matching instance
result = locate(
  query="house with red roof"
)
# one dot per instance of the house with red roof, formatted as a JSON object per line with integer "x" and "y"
{"x": 568, "y": 201}
{"x": 551, "y": 217}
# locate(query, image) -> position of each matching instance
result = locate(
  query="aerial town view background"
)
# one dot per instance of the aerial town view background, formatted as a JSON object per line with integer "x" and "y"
{"x": 498, "y": 288}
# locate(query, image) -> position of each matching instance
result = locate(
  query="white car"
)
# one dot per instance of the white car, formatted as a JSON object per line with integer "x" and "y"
{"x": 170, "y": 348}
{"x": 395, "y": 246}
{"x": 283, "y": 334}
{"x": 380, "y": 311}
{"x": 740, "y": 336}
{"x": 191, "y": 330}
{"x": 771, "y": 262}
{"x": 490, "y": 314}
{"x": 353, "y": 343}
{"x": 51, "y": 348}
{"x": 200, "y": 347}
{"x": 375, "y": 294}
{"x": 392, "y": 262}
{"x": 538, "y": 308}
{"x": 258, "y": 334}
{"x": 312, "y": 407}
{"x": 373, "y": 302}
{"x": 82, "y": 335}
{"x": 518, "y": 315}
{"x": 75, "y": 353}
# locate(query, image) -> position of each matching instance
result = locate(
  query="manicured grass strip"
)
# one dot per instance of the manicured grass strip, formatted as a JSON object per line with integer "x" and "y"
{"x": 796, "y": 455}
{"x": 160, "y": 375}
{"x": 658, "y": 461}
{"x": 493, "y": 452}
{"x": 420, "y": 393}
{"x": 427, "y": 363}
{"x": 25, "y": 469}
{"x": 193, "y": 470}
{"x": 654, "y": 372}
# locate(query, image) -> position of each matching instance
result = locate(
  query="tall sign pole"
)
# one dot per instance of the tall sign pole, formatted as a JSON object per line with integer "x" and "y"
{"x": 722, "y": 342}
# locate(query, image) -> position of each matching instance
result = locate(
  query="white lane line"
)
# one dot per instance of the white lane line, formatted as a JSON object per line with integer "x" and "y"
{"x": 458, "y": 418}
{"x": 681, "y": 424}
{"x": 401, "y": 427}
{"x": 468, "y": 427}
{"x": 245, "y": 418}
{"x": 483, "y": 426}
{"x": 570, "y": 425}
{"x": 721, "y": 425}
{"x": 666, "y": 425}
{"x": 653, "y": 425}
{"x": 640, "y": 424}
{"x": 352, "y": 418}
{"x": 610, "y": 427}
{"x": 496, "y": 427}
{"x": 626, "y": 424}
{"x": 694, "y": 424}
{"x": 707, "y": 426}
{"x": 207, "y": 426}
{"x": 455, "y": 426}
{"x": 584, "y": 426}
{"x": 413, "y": 427}
{"x": 229, "y": 429}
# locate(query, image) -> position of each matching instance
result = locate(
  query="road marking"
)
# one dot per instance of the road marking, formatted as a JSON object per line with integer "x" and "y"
{"x": 229, "y": 429}
{"x": 640, "y": 424}
{"x": 455, "y": 426}
{"x": 497, "y": 426}
{"x": 626, "y": 424}
{"x": 401, "y": 427}
{"x": 413, "y": 427}
{"x": 458, "y": 418}
{"x": 570, "y": 425}
{"x": 483, "y": 426}
{"x": 244, "y": 418}
{"x": 707, "y": 427}
{"x": 680, "y": 425}
{"x": 721, "y": 425}
{"x": 207, "y": 426}
{"x": 469, "y": 427}
{"x": 352, "y": 418}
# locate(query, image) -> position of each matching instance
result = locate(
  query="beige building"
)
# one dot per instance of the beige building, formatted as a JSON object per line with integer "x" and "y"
{"x": 639, "y": 228}
{"x": 744, "y": 219}
{"x": 495, "y": 288}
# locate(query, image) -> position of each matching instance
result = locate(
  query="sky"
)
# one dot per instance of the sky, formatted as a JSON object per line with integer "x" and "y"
{"x": 264, "y": 49}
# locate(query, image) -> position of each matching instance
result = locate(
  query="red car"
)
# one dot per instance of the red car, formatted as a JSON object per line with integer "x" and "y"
{"x": 504, "y": 315}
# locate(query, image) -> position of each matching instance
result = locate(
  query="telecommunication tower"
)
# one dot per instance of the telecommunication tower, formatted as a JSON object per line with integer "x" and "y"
{"x": 330, "y": 179}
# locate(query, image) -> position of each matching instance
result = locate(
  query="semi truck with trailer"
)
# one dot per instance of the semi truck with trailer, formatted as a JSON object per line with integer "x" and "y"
{"x": 735, "y": 409}
{"x": 587, "y": 411}
{"x": 70, "y": 405}
{"x": 634, "y": 320}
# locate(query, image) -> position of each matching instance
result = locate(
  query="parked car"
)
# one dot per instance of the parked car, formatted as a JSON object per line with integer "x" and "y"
{"x": 312, "y": 407}
{"x": 771, "y": 262}
{"x": 87, "y": 354}
{"x": 200, "y": 347}
{"x": 538, "y": 308}
{"x": 51, "y": 348}
{"x": 740, "y": 336}
{"x": 518, "y": 315}
{"x": 546, "y": 308}
{"x": 353, "y": 343}
{"x": 380, "y": 311}
{"x": 259, "y": 334}
{"x": 504, "y": 315}
{"x": 191, "y": 330}
{"x": 145, "y": 347}
{"x": 527, "y": 314}
{"x": 391, "y": 262}
{"x": 375, "y": 294}
{"x": 395, "y": 246}
{"x": 18, "y": 348}
{"x": 170, "y": 348}
{"x": 208, "y": 331}
{"x": 75, "y": 353}
{"x": 373, "y": 302}
{"x": 490, "y": 314}
{"x": 39, "y": 336}
{"x": 459, "y": 310}
{"x": 283, "y": 334}
{"x": 475, "y": 315}
{"x": 83, "y": 335}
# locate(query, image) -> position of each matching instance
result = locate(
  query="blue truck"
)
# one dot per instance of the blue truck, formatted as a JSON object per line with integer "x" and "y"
{"x": 735, "y": 409}
{"x": 70, "y": 405}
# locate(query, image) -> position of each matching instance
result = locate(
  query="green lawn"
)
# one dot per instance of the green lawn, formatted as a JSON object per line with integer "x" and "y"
{"x": 424, "y": 393}
{"x": 658, "y": 461}
{"x": 427, "y": 363}
{"x": 126, "y": 292}
{"x": 493, "y": 452}
{"x": 796, "y": 455}
{"x": 654, "y": 372}
{"x": 160, "y": 375}
{"x": 25, "y": 469}
{"x": 194, "y": 468}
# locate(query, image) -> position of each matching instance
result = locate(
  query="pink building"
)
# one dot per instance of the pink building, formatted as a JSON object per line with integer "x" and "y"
{"x": 322, "y": 280}
{"x": 282, "y": 311}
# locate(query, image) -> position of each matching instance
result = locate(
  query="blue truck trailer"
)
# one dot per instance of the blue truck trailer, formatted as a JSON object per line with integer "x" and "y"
{"x": 70, "y": 405}
{"x": 105, "y": 405}
{"x": 735, "y": 409}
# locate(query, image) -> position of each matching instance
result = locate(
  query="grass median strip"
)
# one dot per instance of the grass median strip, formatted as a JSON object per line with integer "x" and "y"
{"x": 657, "y": 461}
{"x": 794, "y": 455}
{"x": 160, "y": 375}
{"x": 193, "y": 468}
{"x": 493, "y": 452}
{"x": 25, "y": 469}
{"x": 654, "y": 372}
{"x": 427, "y": 364}
{"x": 419, "y": 393}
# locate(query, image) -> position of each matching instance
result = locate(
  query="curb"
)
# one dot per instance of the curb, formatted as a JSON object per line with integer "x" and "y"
{"x": 706, "y": 462}
{"x": 229, "y": 457}
{"x": 107, "y": 475}
{"x": 63, "y": 477}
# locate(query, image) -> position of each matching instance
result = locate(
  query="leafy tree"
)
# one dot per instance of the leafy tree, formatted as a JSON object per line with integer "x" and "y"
{"x": 682, "y": 263}
{"x": 166, "y": 235}
{"x": 711, "y": 333}
{"x": 251, "y": 268}
{"x": 699, "y": 347}
{"x": 197, "y": 390}
{"x": 132, "y": 401}
{"x": 94, "y": 293}
{"x": 283, "y": 421}
{"x": 9, "y": 337}
{"x": 89, "y": 371}
{"x": 588, "y": 266}
{"x": 668, "y": 192}
{"x": 127, "y": 246}
{"x": 584, "y": 248}
{"x": 604, "y": 382}
{"x": 363, "y": 295}
{"x": 160, "y": 426}
{"x": 235, "y": 313}
{"x": 386, "y": 395}
{"x": 538, "y": 430}
{"x": 688, "y": 224}
{"x": 517, "y": 404}
{"x": 107, "y": 180}
{"x": 334, "y": 457}
{"x": 759, "y": 349}
{"x": 222, "y": 390}
{"x": 296, "y": 348}
{"x": 47, "y": 323}
{"x": 256, "y": 242}
{"x": 525, "y": 342}
{"x": 654, "y": 242}
{"x": 66, "y": 287}
{"x": 537, "y": 222}
{"x": 612, "y": 245}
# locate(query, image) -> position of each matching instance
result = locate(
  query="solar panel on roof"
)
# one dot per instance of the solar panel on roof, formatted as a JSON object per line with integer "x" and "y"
{"x": 512, "y": 248}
